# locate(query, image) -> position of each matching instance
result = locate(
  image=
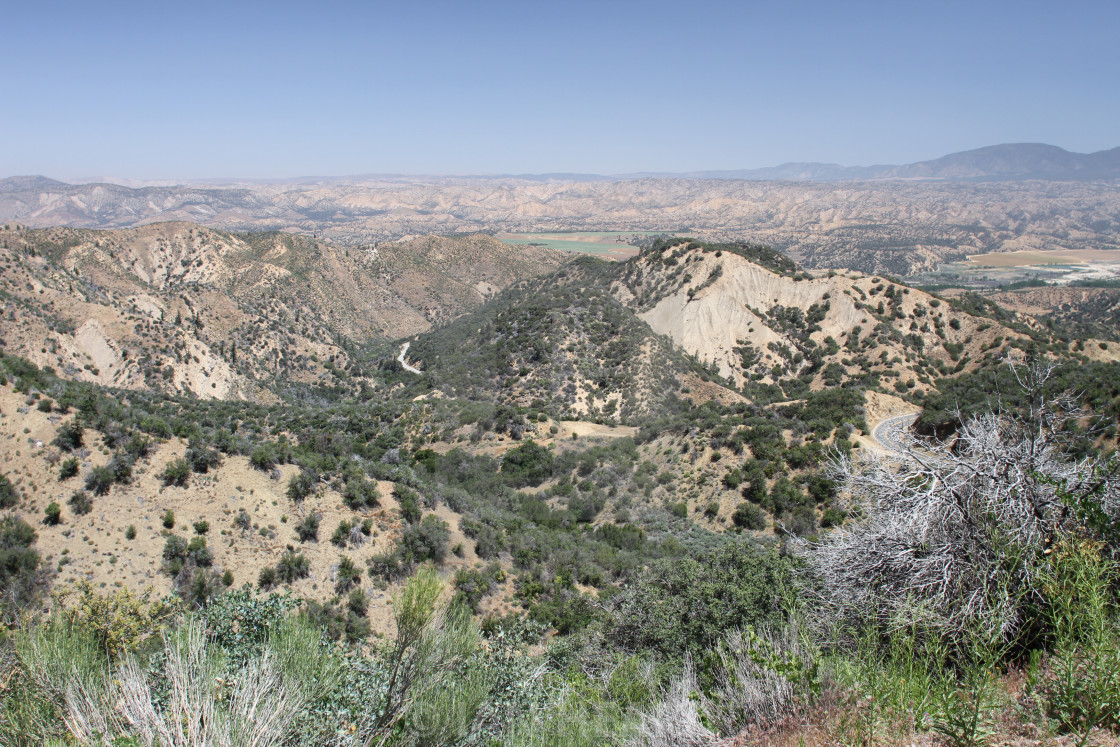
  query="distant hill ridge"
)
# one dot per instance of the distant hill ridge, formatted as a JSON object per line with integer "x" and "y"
{"x": 1006, "y": 162}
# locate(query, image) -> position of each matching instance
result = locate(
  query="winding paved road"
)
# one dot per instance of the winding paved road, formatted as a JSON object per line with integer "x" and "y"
{"x": 400, "y": 359}
{"x": 888, "y": 433}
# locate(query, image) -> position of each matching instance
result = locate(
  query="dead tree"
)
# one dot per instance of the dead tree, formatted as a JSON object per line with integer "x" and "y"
{"x": 955, "y": 536}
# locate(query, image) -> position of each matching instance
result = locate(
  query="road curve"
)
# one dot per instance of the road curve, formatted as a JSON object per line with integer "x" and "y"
{"x": 889, "y": 432}
{"x": 400, "y": 359}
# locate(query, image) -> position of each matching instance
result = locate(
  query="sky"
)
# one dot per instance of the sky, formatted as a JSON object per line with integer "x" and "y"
{"x": 280, "y": 89}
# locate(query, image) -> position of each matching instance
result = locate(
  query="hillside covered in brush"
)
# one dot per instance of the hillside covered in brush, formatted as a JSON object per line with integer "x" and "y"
{"x": 561, "y": 344}
{"x": 580, "y": 481}
{"x": 735, "y": 322}
{"x": 185, "y": 308}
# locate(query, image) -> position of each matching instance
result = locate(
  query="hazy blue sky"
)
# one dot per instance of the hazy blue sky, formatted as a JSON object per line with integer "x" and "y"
{"x": 200, "y": 89}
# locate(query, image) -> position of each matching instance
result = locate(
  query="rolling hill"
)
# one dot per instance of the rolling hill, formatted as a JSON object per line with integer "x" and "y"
{"x": 184, "y": 308}
{"x": 898, "y": 219}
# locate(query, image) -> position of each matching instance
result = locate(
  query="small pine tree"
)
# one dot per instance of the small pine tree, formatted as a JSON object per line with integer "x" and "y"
{"x": 53, "y": 514}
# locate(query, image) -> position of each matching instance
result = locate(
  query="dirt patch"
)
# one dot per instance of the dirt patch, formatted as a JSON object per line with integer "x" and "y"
{"x": 584, "y": 429}
{"x": 701, "y": 391}
{"x": 879, "y": 406}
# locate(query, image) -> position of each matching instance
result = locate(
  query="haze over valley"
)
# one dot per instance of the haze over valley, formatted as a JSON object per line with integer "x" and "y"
{"x": 898, "y": 223}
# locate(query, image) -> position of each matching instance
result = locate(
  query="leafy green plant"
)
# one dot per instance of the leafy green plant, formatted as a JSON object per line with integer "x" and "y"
{"x": 99, "y": 480}
{"x": 349, "y": 575}
{"x": 427, "y": 540}
{"x": 120, "y": 621}
{"x": 70, "y": 436}
{"x": 966, "y": 711}
{"x": 749, "y": 516}
{"x": 1081, "y": 689}
{"x": 267, "y": 577}
{"x": 307, "y": 530}
{"x": 53, "y": 514}
{"x": 359, "y": 493}
{"x": 341, "y": 534}
{"x": 68, "y": 468}
{"x": 292, "y": 567}
{"x": 300, "y": 486}
{"x": 80, "y": 503}
{"x": 9, "y": 496}
{"x": 177, "y": 472}
{"x": 431, "y": 643}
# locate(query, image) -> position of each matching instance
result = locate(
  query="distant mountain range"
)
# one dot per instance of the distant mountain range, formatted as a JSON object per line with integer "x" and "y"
{"x": 1008, "y": 162}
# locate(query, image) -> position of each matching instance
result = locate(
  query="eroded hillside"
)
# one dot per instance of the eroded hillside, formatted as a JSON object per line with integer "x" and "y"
{"x": 185, "y": 308}
{"x": 766, "y": 323}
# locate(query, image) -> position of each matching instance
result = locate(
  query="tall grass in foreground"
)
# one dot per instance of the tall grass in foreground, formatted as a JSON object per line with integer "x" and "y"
{"x": 192, "y": 700}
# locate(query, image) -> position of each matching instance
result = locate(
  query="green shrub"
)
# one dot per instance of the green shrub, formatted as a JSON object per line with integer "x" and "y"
{"x": 80, "y": 503}
{"x": 1080, "y": 686}
{"x": 267, "y": 577}
{"x": 409, "y": 504}
{"x": 359, "y": 493}
{"x": 427, "y": 540}
{"x": 18, "y": 562}
{"x": 67, "y": 469}
{"x": 70, "y": 436}
{"x": 174, "y": 555}
{"x": 121, "y": 467}
{"x": 201, "y": 587}
{"x": 9, "y": 496}
{"x": 388, "y": 566}
{"x": 201, "y": 527}
{"x": 686, "y": 604}
{"x": 529, "y": 464}
{"x": 341, "y": 534}
{"x": 335, "y": 622}
{"x": 177, "y": 472}
{"x": 749, "y": 516}
{"x": 263, "y": 457}
{"x": 300, "y": 486}
{"x": 203, "y": 458}
{"x": 130, "y": 533}
{"x": 308, "y": 529}
{"x": 199, "y": 552}
{"x": 292, "y": 567}
{"x": 348, "y": 575}
{"x": 168, "y": 519}
{"x": 99, "y": 480}
{"x": 139, "y": 445}
{"x": 53, "y": 514}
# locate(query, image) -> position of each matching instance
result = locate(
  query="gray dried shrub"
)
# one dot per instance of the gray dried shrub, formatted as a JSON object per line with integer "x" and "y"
{"x": 954, "y": 536}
